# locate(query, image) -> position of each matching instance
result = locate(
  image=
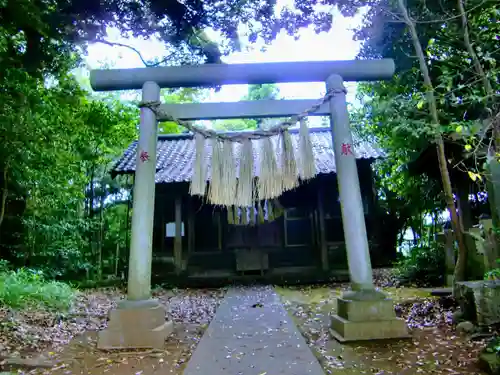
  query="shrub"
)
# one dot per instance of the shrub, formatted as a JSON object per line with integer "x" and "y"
{"x": 493, "y": 345}
{"x": 494, "y": 274}
{"x": 425, "y": 266}
{"x": 27, "y": 288}
{"x": 4, "y": 266}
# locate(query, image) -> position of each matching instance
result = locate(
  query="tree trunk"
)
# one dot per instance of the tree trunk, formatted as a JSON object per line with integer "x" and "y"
{"x": 464, "y": 207}
{"x": 127, "y": 228}
{"x": 117, "y": 258}
{"x": 494, "y": 186}
{"x": 460, "y": 267}
{"x": 388, "y": 237}
{"x": 91, "y": 197}
{"x": 5, "y": 193}
{"x": 100, "y": 237}
{"x": 415, "y": 236}
{"x": 401, "y": 237}
{"x": 91, "y": 231}
{"x": 433, "y": 226}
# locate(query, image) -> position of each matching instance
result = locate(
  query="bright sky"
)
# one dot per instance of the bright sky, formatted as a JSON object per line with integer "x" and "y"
{"x": 338, "y": 44}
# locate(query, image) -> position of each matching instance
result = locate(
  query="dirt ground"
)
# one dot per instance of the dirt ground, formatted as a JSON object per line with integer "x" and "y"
{"x": 66, "y": 344}
{"x": 62, "y": 345}
{"x": 82, "y": 357}
{"x": 434, "y": 347}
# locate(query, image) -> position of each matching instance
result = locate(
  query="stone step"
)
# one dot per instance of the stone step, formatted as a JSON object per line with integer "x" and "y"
{"x": 136, "y": 324}
{"x": 360, "y": 311}
{"x": 344, "y": 330}
{"x": 135, "y": 338}
{"x": 139, "y": 318}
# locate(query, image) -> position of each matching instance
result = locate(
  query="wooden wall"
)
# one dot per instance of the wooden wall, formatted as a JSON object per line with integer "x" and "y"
{"x": 309, "y": 234}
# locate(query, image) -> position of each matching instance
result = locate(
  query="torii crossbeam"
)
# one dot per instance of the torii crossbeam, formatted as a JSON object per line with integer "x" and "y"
{"x": 363, "y": 312}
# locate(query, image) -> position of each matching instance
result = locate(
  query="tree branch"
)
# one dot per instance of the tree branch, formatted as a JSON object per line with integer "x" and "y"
{"x": 460, "y": 267}
{"x": 117, "y": 44}
{"x": 5, "y": 191}
{"x": 470, "y": 50}
{"x": 442, "y": 20}
{"x": 477, "y": 66}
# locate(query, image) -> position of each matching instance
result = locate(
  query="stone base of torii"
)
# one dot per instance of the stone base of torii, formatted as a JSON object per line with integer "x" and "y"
{"x": 364, "y": 313}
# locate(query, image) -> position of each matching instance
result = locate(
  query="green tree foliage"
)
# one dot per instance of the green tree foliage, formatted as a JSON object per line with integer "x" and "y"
{"x": 255, "y": 92}
{"x": 234, "y": 124}
{"x": 396, "y": 112}
{"x": 58, "y": 146}
{"x": 267, "y": 91}
{"x": 425, "y": 266}
{"x": 60, "y": 208}
{"x": 182, "y": 95}
{"x": 49, "y": 30}
{"x": 396, "y": 108}
{"x": 460, "y": 97}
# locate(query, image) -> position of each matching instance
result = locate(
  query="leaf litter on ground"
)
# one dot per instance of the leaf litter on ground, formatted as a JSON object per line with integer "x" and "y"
{"x": 68, "y": 340}
{"x": 434, "y": 348}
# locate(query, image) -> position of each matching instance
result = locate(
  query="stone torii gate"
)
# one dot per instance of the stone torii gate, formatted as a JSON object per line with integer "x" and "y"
{"x": 363, "y": 312}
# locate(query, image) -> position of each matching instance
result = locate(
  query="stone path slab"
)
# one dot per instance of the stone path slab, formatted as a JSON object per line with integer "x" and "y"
{"x": 252, "y": 334}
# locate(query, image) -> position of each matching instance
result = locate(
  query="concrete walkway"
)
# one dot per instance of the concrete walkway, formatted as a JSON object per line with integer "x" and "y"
{"x": 252, "y": 334}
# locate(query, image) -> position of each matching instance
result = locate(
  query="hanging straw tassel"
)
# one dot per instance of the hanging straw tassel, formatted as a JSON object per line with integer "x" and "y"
{"x": 245, "y": 189}
{"x": 260, "y": 213}
{"x": 214, "y": 189}
{"x": 307, "y": 162}
{"x": 199, "y": 179}
{"x": 253, "y": 215}
{"x": 270, "y": 180}
{"x": 288, "y": 163}
{"x": 236, "y": 213}
{"x": 230, "y": 215}
{"x": 270, "y": 211}
{"x": 244, "y": 216}
{"x": 228, "y": 181}
{"x": 278, "y": 208}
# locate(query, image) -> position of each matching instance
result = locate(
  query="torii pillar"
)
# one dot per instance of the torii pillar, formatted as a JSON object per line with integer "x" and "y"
{"x": 139, "y": 321}
{"x": 364, "y": 312}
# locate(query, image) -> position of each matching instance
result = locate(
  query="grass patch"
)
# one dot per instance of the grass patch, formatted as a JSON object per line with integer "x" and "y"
{"x": 405, "y": 294}
{"x": 26, "y": 288}
{"x": 327, "y": 297}
{"x": 306, "y": 295}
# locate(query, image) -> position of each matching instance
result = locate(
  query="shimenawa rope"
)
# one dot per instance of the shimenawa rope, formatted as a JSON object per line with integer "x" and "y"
{"x": 239, "y": 137}
{"x": 233, "y": 184}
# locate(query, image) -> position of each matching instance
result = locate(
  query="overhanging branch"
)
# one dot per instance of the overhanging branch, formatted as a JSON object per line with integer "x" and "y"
{"x": 117, "y": 44}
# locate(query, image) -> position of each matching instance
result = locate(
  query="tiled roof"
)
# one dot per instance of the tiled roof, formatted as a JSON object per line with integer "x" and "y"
{"x": 176, "y": 153}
